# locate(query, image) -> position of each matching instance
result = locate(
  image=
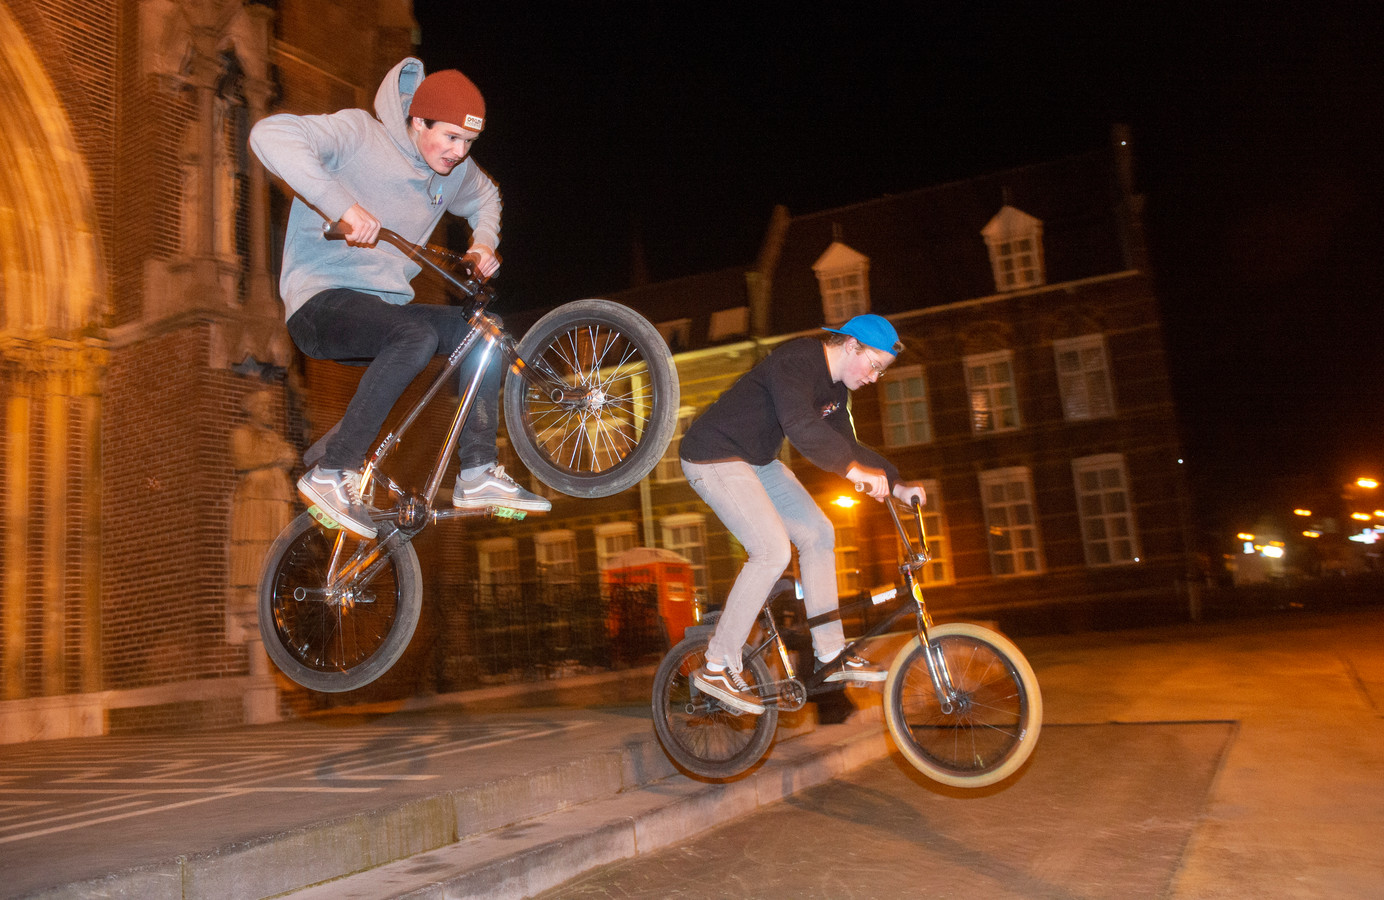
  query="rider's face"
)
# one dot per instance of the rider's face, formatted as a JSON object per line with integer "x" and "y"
{"x": 443, "y": 146}
{"x": 864, "y": 365}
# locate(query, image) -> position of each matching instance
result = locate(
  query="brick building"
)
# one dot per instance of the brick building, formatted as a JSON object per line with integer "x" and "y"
{"x": 137, "y": 311}
{"x": 1033, "y": 399}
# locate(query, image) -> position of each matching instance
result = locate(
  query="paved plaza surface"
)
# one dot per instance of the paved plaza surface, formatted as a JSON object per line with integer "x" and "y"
{"x": 1232, "y": 759}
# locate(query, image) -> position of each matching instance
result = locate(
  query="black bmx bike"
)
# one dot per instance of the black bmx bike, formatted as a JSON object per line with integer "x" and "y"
{"x": 961, "y": 702}
{"x": 590, "y": 403}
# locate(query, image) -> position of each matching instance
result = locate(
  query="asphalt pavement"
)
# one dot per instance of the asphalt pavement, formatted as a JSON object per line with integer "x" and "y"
{"x": 1235, "y": 759}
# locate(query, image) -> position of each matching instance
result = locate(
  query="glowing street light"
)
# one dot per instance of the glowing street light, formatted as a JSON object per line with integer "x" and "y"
{"x": 1302, "y": 512}
{"x": 845, "y": 502}
{"x": 1367, "y": 483}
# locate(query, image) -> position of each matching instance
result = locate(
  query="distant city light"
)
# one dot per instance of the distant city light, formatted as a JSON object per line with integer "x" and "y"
{"x": 1362, "y": 517}
{"x": 1273, "y": 552}
{"x": 1245, "y": 537}
{"x": 1302, "y": 512}
{"x": 845, "y": 502}
{"x": 1312, "y": 534}
{"x": 1366, "y": 483}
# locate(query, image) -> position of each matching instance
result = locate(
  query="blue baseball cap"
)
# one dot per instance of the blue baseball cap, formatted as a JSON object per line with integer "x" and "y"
{"x": 872, "y": 330}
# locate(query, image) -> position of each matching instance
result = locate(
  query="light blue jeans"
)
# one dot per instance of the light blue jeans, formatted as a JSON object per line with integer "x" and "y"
{"x": 767, "y": 508}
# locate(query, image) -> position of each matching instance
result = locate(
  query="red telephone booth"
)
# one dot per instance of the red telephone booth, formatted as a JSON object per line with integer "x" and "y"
{"x": 669, "y": 573}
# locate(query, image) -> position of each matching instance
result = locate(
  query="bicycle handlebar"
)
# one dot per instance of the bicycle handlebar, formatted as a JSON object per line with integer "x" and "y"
{"x": 472, "y": 282}
{"x": 915, "y": 562}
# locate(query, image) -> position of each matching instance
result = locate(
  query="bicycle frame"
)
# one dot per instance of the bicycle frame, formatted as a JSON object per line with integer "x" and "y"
{"x": 813, "y": 682}
{"x": 413, "y": 512}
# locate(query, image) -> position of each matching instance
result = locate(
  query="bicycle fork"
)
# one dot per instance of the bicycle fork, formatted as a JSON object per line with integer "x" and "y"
{"x": 936, "y": 661}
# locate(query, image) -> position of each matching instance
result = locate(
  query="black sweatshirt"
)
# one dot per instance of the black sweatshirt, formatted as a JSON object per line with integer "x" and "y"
{"x": 789, "y": 394}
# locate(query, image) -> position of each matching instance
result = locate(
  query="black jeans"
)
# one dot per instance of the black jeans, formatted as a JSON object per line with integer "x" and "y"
{"x": 398, "y": 341}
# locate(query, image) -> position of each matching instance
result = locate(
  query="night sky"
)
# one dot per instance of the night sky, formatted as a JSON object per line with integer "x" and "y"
{"x": 678, "y": 127}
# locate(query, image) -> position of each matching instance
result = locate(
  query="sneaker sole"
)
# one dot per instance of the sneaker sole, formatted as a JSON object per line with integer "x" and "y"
{"x": 858, "y": 677}
{"x": 727, "y": 698}
{"x": 351, "y": 525}
{"x": 525, "y": 505}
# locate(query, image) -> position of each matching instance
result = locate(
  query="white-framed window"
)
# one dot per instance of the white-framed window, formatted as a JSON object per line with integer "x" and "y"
{"x": 556, "y": 553}
{"x": 990, "y": 385}
{"x": 612, "y": 539}
{"x": 729, "y": 323}
{"x": 685, "y": 535}
{"x": 939, "y": 570}
{"x": 847, "y": 558}
{"x": 499, "y": 561}
{"x": 669, "y": 468}
{"x": 677, "y": 333}
{"x": 907, "y": 419}
{"x": 1107, "y": 516}
{"x": 1011, "y": 521}
{"x": 1015, "y": 242}
{"x": 843, "y": 277}
{"x": 1083, "y": 377}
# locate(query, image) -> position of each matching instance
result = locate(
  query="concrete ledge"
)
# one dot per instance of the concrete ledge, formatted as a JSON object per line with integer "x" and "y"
{"x": 540, "y": 854}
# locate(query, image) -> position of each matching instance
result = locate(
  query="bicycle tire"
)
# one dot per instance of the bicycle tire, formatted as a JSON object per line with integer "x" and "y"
{"x": 335, "y": 645}
{"x": 615, "y": 435}
{"x": 991, "y": 734}
{"x": 700, "y": 734}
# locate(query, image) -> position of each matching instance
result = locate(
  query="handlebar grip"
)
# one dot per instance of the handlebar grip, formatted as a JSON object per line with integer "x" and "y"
{"x": 336, "y": 231}
{"x": 859, "y": 487}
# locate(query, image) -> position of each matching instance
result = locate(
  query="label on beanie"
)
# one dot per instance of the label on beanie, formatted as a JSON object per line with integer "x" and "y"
{"x": 475, "y": 123}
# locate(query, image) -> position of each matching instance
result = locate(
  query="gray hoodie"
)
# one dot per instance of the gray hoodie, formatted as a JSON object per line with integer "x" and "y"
{"x": 334, "y": 161}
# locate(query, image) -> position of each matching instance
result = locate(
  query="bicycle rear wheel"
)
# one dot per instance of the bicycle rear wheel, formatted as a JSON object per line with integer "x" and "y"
{"x": 604, "y": 404}
{"x": 696, "y": 730}
{"x": 994, "y": 722}
{"x": 338, "y": 641}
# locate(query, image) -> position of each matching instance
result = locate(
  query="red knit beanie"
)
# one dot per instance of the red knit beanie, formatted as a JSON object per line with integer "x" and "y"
{"x": 449, "y": 96}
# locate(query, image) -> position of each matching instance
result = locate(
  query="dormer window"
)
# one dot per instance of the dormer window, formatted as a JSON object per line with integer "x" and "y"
{"x": 843, "y": 275}
{"x": 1015, "y": 241}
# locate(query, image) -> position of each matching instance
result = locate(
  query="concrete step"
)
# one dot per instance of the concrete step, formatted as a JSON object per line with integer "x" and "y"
{"x": 542, "y": 852}
{"x": 616, "y": 756}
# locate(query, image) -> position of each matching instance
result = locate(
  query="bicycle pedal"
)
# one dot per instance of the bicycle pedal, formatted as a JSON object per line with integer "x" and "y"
{"x": 504, "y": 512}
{"x": 320, "y": 516}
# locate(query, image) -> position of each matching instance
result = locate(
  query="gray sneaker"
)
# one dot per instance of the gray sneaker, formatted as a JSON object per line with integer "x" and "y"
{"x": 494, "y": 488}
{"x": 336, "y": 494}
{"x": 728, "y": 687}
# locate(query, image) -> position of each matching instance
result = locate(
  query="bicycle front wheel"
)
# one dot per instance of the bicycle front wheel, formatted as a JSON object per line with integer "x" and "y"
{"x": 992, "y": 722}
{"x": 600, "y": 400}
{"x": 700, "y": 734}
{"x": 339, "y": 640}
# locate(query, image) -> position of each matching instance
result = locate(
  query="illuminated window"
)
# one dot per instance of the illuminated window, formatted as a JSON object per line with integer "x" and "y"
{"x": 685, "y": 535}
{"x": 499, "y": 561}
{"x": 1107, "y": 518}
{"x": 905, "y": 409}
{"x": 990, "y": 385}
{"x": 1010, "y": 521}
{"x": 1015, "y": 242}
{"x": 847, "y": 559}
{"x": 843, "y": 277}
{"x": 613, "y": 539}
{"x": 669, "y": 468}
{"x": 556, "y": 552}
{"x": 1083, "y": 378}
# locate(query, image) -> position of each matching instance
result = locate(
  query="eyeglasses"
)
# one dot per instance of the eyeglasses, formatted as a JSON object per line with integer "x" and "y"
{"x": 879, "y": 370}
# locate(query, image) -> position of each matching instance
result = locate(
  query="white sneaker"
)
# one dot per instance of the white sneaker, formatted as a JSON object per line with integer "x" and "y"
{"x": 494, "y": 488}
{"x": 728, "y": 687}
{"x": 856, "y": 668}
{"x": 336, "y": 494}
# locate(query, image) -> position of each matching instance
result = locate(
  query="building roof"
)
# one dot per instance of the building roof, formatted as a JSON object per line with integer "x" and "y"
{"x": 925, "y": 247}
